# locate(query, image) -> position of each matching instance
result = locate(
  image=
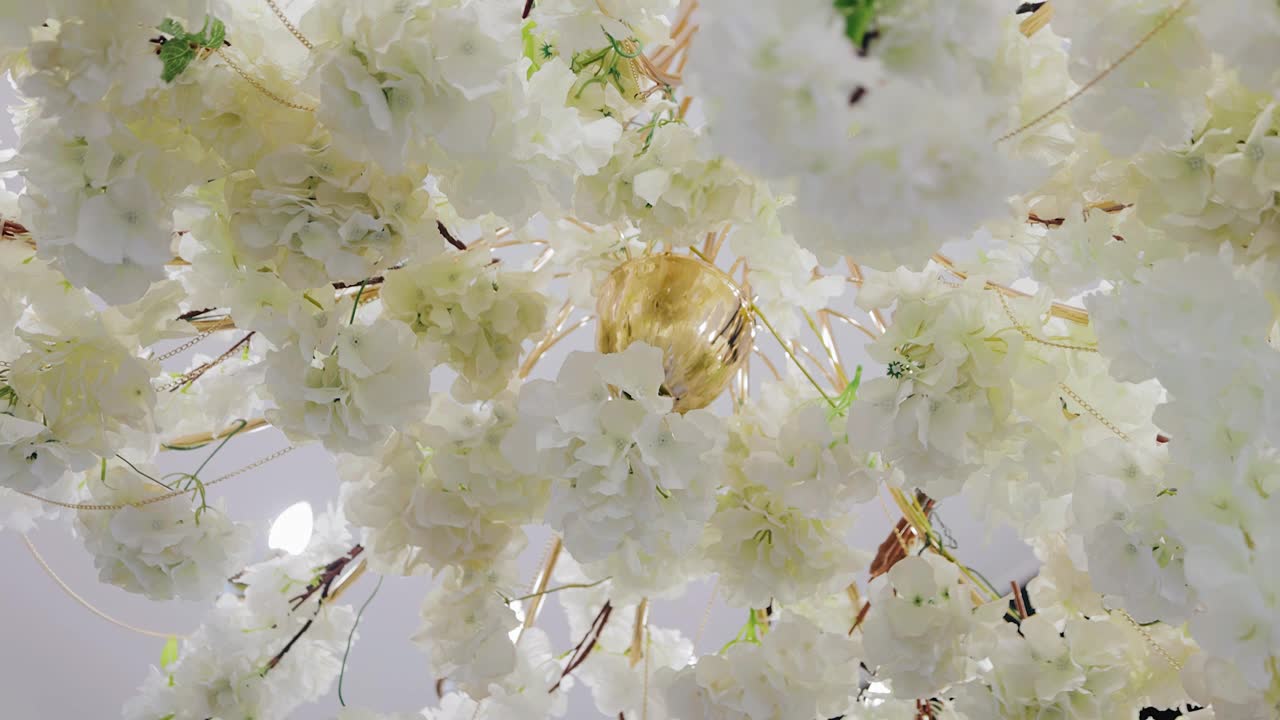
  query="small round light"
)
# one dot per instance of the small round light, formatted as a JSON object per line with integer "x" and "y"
{"x": 291, "y": 531}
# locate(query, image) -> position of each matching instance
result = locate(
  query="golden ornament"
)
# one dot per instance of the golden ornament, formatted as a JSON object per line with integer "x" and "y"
{"x": 689, "y": 309}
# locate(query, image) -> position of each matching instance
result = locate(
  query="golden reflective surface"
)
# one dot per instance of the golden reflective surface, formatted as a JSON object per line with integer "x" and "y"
{"x": 690, "y": 310}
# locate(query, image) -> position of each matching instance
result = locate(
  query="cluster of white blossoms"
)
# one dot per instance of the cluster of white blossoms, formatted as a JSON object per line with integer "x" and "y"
{"x": 778, "y": 531}
{"x": 635, "y": 482}
{"x": 270, "y": 644}
{"x": 1053, "y": 226}
{"x": 480, "y": 313}
{"x": 918, "y": 635}
{"x": 169, "y": 551}
{"x": 796, "y": 669}
{"x": 857, "y": 136}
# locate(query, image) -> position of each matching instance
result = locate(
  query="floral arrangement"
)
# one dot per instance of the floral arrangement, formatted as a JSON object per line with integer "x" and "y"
{"x": 384, "y": 215}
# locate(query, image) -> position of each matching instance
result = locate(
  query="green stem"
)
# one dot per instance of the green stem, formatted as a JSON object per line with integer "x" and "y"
{"x": 356, "y": 305}
{"x": 351, "y": 635}
{"x": 791, "y": 354}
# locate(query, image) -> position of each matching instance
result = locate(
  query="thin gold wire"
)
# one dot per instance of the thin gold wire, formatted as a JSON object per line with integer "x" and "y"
{"x": 160, "y": 498}
{"x": 1164, "y": 22}
{"x": 44, "y": 565}
{"x": 257, "y": 84}
{"x": 288, "y": 24}
{"x": 1026, "y": 333}
{"x": 1094, "y": 412}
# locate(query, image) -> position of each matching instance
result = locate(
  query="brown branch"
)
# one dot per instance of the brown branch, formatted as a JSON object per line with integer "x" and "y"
{"x": 193, "y": 314}
{"x": 1017, "y": 599}
{"x": 275, "y": 660}
{"x": 862, "y": 615}
{"x": 206, "y": 367}
{"x": 1047, "y": 222}
{"x": 12, "y": 229}
{"x": 328, "y": 576}
{"x": 586, "y": 644}
{"x": 528, "y": 8}
{"x": 448, "y": 236}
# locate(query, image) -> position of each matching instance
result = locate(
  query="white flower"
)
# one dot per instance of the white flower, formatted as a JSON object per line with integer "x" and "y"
{"x": 466, "y": 630}
{"x": 634, "y": 480}
{"x": 235, "y": 663}
{"x": 161, "y": 550}
{"x": 31, "y": 458}
{"x": 412, "y": 519}
{"x": 1241, "y": 31}
{"x": 1165, "y": 81}
{"x": 90, "y": 390}
{"x": 795, "y": 671}
{"x": 350, "y": 394}
{"x": 479, "y": 313}
{"x": 316, "y": 216}
{"x": 917, "y": 630}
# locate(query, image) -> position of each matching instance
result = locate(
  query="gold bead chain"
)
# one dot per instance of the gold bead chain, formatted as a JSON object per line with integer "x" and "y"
{"x": 160, "y": 498}
{"x": 1164, "y": 22}
{"x": 257, "y": 84}
{"x": 1026, "y": 333}
{"x": 1092, "y": 411}
{"x": 288, "y": 25}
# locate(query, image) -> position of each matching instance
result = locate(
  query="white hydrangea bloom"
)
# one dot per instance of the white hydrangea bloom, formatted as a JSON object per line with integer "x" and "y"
{"x": 1243, "y": 31}
{"x": 316, "y": 216}
{"x": 350, "y": 393}
{"x": 634, "y": 480}
{"x": 795, "y": 671}
{"x": 390, "y": 77}
{"x": 521, "y": 694}
{"x": 917, "y": 631}
{"x": 1166, "y": 80}
{"x": 478, "y": 312}
{"x": 779, "y": 530}
{"x": 234, "y": 664}
{"x": 103, "y": 163}
{"x": 858, "y": 136}
{"x": 951, "y": 359}
{"x": 671, "y": 187}
{"x": 467, "y": 632}
{"x": 163, "y": 550}
{"x": 90, "y": 389}
{"x": 610, "y": 672}
{"x": 1203, "y": 337}
{"x": 414, "y": 521}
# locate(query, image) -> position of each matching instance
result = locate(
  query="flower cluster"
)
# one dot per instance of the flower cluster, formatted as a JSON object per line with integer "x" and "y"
{"x": 266, "y": 648}
{"x": 634, "y": 481}
{"x": 478, "y": 312}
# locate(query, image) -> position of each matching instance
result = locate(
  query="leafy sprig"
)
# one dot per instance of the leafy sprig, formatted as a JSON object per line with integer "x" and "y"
{"x": 182, "y": 48}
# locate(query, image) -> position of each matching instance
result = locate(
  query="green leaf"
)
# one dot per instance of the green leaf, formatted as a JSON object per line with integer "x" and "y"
{"x": 169, "y": 655}
{"x": 214, "y": 32}
{"x": 842, "y": 404}
{"x": 171, "y": 27}
{"x": 175, "y": 55}
{"x": 858, "y": 15}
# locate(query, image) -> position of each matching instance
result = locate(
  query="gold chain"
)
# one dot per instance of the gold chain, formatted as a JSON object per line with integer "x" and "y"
{"x": 1026, "y": 333}
{"x": 76, "y": 596}
{"x": 257, "y": 84}
{"x": 1092, "y": 411}
{"x": 160, "y": 498}
{"x": 1164, "y": 22}
{"x": 185, "y": 346}
{"x": 288, "y": 24}
{"x": 1151, "y": 641}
